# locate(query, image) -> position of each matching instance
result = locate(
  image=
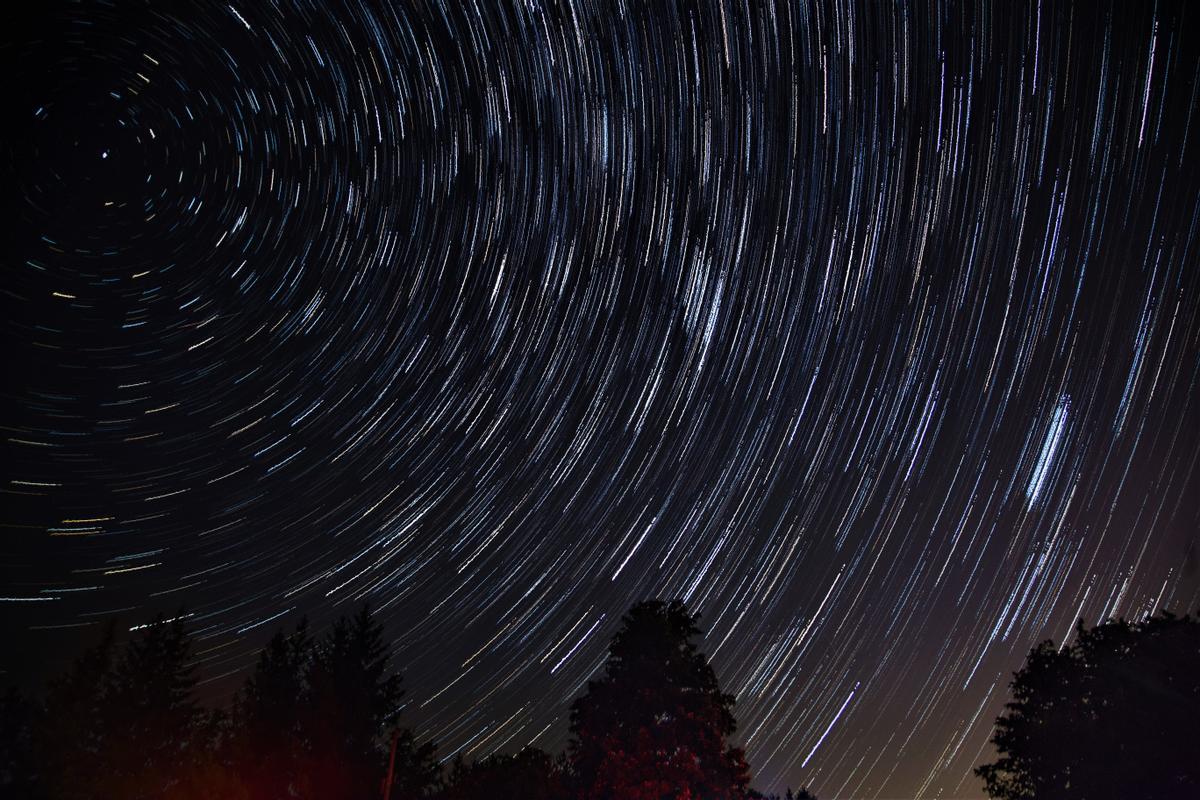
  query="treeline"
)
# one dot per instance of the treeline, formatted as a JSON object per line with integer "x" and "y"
{"x": 319, "y": 719}
{"x": 1114, "y": 714}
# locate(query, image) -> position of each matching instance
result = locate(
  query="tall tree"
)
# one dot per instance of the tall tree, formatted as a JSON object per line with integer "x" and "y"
{"x": 351, "y": 716}
{"x": 69, "y": 734}
{"x": 122, "y": 722}
{"x": 655, "y": 727}
{"x": 265, "y": 745}
{"x": 1112, "y": 715}
{"x": 154, "y": 731}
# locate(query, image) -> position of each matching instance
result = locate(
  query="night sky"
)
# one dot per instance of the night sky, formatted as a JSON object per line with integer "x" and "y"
{"x": 870, "y": 331}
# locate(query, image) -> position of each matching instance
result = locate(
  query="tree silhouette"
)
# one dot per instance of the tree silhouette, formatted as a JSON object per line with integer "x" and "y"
{"x": 414, "y": 767}
{"x": 68, "y": 735}
{"x": 655, "y": 726}
{"x": 313, "y": 721}
{"x": 531, "y": 774}
{"x": 154, "y": 731}
{"x": 265, "y": 745}
{"x": 350, "y": 717}
{"x": 1115, "y": 714}
{"x": 804, "y": 794}
{"x": 121, "y": 722}
{"x": 318, "y": 720}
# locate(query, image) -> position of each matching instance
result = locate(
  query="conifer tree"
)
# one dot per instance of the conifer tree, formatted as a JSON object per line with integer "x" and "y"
{"x": 351, "y": 716}
{"x": 265, "y": 747}
{"x": 656, "y": 726}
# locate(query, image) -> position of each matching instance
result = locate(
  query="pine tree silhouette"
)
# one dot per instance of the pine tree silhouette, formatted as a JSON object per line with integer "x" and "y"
{"x": 656, "y": 725}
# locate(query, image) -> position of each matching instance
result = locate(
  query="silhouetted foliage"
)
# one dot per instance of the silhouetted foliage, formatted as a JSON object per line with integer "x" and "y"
{"x": 68, "y": 737}
{"x": 318, "y": 719}
{"x": 265, "y": 745}
{"x": 123, "y": 724}
{"x": 1115, "y": 714}
{"x": 415, "y": 769}
{"x": 790, "y": 795}
{"x": 148, "y": 699}
{"x": 314, "y": 720}
{"x": 353, "y": 704}
{"x": 529, "y": 775}
{"x": 655, "y": 726}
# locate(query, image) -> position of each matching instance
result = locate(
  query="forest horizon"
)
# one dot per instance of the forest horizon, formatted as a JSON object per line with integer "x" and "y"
{"x": 322, "y": 717}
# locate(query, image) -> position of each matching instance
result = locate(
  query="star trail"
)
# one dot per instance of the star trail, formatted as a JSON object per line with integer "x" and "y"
{"x": 870, "y": 331}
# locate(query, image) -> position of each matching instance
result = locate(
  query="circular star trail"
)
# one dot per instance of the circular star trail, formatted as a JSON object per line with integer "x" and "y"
{"x": 873, "y": 333}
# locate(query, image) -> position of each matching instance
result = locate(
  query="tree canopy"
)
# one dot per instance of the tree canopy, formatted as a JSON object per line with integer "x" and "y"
{"x": 1114, "y": 714}
{"x": 656, "y": 725}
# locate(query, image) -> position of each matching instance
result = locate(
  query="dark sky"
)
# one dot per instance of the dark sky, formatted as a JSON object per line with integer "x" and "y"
{"x": 871, "y": 332}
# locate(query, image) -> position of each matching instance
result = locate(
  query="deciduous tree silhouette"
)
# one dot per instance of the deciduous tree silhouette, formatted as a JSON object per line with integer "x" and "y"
{"x": 1114, "y": 715}
{"x": 656, "y": 725}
